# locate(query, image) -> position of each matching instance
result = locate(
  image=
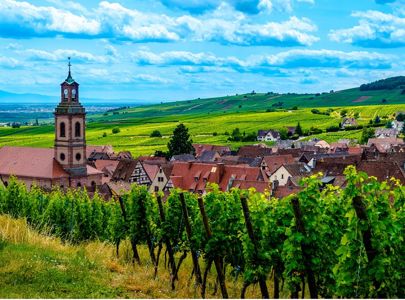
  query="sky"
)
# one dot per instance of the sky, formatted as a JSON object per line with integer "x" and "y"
{"x": 162, "y": 50}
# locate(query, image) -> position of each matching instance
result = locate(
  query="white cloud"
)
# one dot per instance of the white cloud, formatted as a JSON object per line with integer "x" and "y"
{"x": 113, "y": 21}
{"x": 62, "y": 54}
{"x": 9, "y": 62}
{"x": 286, "y": 60}
{"x": 375, "y": 29}
{"x": 26, "y": 19}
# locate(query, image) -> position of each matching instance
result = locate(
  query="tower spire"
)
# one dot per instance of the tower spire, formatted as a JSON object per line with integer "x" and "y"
{"x": 69, "y": 79}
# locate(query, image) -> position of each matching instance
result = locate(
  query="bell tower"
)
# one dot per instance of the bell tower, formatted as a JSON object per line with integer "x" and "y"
{"x": 70, "y": 135}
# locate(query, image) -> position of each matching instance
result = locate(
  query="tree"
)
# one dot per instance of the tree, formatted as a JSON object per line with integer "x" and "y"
{"x": 298, "y": 129}
{"x": 343, "y": 113}
{"x": 116, "y": 130}
{"x": 388, "y": 125}
{"x": 400, "y": 117}
{"x": 236, "y": 135}
{"x": 367, "y": 134}
{"x": 180, "y": 142}
{"x": 377, "y": 120}
{"x": 356, "y": 115}
{"x": 155, "y": 133}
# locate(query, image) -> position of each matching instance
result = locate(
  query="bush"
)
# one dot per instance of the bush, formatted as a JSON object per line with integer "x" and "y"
{"x": 104, "y": 134}
{"x": 294, "y": 108}
{"x": 116, "y": 130}
{"x": 314, "y": 130}
{"x": 270, "y": 110}
{"x": 155, "y": 133}
{"x": 215, "y": 133}
{"x": 343, "y": 113}
{"x": 315, "y": 111}
{"x": 332, "y": 128}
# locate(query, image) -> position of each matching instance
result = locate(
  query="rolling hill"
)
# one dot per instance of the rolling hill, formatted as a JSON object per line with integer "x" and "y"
{"x": 387, "y": 91}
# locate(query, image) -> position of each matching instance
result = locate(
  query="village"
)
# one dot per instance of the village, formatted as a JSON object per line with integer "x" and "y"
{"x": 276, "y": 169}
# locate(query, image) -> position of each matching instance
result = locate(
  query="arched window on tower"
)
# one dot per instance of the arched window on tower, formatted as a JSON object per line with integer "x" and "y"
{"x": 77, "y": 129}
{"x": 62, "y": 132}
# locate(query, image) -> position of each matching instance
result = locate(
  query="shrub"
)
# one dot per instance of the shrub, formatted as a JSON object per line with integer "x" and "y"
{"x": 104, "y": 134}
{"x": 270, "y": 110}
{"x": 332, "y": 128}
{"x": 116, "y": 130}
{"x": 215, "y": 133}
{"x": 155, "y": 133}
{"x": 315, "y": 111}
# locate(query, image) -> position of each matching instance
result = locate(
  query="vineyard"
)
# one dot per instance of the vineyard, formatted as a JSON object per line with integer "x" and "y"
{"x": 323, "y": 242}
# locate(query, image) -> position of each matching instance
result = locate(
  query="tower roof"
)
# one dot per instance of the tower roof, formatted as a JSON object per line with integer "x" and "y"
{"x": 69, "y": 79}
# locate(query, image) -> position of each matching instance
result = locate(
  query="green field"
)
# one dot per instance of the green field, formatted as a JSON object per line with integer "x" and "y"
{"x": 136, "y": 127}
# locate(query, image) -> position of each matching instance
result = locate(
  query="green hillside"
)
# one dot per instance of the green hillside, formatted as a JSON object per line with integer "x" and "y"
{"x": 262, "y": 102}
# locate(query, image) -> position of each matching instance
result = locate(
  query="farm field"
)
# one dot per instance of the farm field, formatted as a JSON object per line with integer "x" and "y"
{"x": 135, "y": 131}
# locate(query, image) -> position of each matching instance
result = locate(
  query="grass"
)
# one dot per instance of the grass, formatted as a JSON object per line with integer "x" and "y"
{"x": 34, "y": 265}
{"x": 135, "y": 131}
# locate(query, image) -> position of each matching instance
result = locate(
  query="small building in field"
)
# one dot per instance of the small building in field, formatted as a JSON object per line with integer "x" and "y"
{"x": 268, "y": 135}
{"x": 347, "y": 122}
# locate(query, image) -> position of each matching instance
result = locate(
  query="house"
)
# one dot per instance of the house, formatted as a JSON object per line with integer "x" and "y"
{"x": 385, "y": 133}
{"x": 271, "y": 163}
{"x": 108, "y": 168}
{"x": 268, "y": 135}
{"x": 195, "y": 176}
{"x": 322, "y": 144}
{"x": 160, "y": 180}
{"x": 294, "y": 171}
{"x": 347, "y": 122}
{"x": 66, "y": 164}
{"x": 201, "y": 148}
{"x": 254, "y": 151}
{"x": 397, "y": 125}
{"x": 209, "y": 156}
{"x": 338, "y": 147}
{"x": 385, "y": 144}
{"x": 290, "y": 130}
{"x": 183, "y": 157}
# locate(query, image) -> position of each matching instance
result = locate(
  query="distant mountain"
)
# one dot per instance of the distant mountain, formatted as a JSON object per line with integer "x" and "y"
{"x": 8, "y": 97}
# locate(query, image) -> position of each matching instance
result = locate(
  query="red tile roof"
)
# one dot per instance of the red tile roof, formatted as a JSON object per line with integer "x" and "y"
{"x": 273, "y": 162}
{"x": 30, "y": 162}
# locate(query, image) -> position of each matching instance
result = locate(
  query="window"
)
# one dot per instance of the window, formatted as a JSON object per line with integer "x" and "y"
{"x": 156, "y": 188}
{"x": 282, "y": 176}
{"x": 5, "y": 183}
{"x": 79, "y": 184}
{"x": 93, "y": 184}
{"x": 77, "y": 129}
{"x": 62, "y": 156}
{"x": 78, "y": 156}
{"x": 160, "y": 179}
{"x": 62, "y": 132}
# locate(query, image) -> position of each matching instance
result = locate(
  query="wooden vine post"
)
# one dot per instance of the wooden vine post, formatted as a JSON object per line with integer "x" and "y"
{"x": 133, "y": 243}
{"x": 168, "y": 243}
{"x": 217, "y": 259}
{"x": 360, "y": 209}
{"x": 197, "y": 270}
{"x": 252, "y": 237}
{"x": 305, "y": 249}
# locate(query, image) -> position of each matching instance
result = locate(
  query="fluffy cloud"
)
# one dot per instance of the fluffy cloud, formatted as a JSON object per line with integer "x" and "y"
{"x": 9, "y": 62}
{"x": 61, "y": 55}
{"x": 116, "y": 22}
{"x": 285, "y": 60}
{"x": 245, "y": 6}
{"x": 22, "y": 19}
{"x": 375, "y": 29}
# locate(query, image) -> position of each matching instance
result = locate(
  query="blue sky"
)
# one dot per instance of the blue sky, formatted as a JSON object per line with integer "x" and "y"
{"x": 162, "y": 50}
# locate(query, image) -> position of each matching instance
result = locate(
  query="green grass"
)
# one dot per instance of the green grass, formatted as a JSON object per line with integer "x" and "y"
{"x": 34, "y": 265}
{"x": 135, "y": 131}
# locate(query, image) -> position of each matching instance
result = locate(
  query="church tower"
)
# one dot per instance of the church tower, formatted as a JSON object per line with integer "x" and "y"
{"x": 70, "y": 137}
